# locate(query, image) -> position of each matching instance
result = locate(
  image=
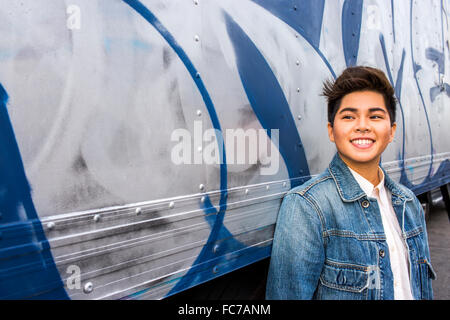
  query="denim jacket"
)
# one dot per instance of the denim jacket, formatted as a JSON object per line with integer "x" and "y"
{"x": 329, "y": 241}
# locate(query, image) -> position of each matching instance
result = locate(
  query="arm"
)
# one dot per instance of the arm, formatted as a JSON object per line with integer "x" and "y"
{"x": 297, "y": 252}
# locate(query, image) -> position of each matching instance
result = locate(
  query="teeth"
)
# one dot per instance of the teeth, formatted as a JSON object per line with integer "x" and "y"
{"x": 362, "y": 141}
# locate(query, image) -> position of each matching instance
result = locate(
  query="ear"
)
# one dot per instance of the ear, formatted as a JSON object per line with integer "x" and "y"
{"x": 393, "y": 129}
{"x": 330, "y": 132}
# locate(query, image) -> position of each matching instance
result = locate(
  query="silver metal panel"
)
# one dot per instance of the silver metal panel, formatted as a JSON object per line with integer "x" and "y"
{"x": 98, "y": 88}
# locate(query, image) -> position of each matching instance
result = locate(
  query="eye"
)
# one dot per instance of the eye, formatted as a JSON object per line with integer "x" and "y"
{"x": 347, "y": 117}
{"x": 376, "y": 117}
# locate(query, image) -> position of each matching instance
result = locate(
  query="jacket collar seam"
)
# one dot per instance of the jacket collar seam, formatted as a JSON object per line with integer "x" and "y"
{"x": 357, "y": 197}
{"x": 303, "y": 191}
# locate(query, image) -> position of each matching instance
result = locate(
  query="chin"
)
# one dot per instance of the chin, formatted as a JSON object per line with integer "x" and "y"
{"x": 362, "y": 159}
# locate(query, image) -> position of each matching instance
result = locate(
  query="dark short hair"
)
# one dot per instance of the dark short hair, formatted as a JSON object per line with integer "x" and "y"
{"x": 359, "y": 78}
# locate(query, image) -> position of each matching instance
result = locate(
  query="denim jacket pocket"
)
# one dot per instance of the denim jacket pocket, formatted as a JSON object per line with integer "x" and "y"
{"x": 426, "y": 275}
{"x": 343, "y": 281}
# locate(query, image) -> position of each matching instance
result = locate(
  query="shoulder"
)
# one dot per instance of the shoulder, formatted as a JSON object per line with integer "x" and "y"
{"x": 317, "y": 194}
{"x": 318, "y": 184}
{"x": 408, "y": 193}
{"x": 402, "y": 191}
{"x": 398, "y": 188}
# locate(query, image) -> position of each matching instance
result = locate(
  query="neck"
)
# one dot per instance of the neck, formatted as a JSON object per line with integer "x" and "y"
{"x": 368, "y": 170}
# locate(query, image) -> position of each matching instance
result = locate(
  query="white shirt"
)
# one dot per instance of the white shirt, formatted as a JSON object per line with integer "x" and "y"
{"x": 398, "y": 253}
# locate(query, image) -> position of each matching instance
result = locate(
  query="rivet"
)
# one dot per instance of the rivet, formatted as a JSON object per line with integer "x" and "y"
{"x": 246, "y": 191}
{"x": 284, "y": 184}
{"x": 196, "y": 38}
{"x": 298, "y": 89}
{"x": 199, "y": 113}
{"x": 215, "y": 248}
{"x": 96, "y": 217}
{"x": 297, "y": 62}
{"x": 296, "y": 35}
{"x": 138, "y": 211}
{"x": 196, "y": 2}
{"x": 295, "y": 7}
{"x": 50, "y": 225}
{"x": 267, "y": 187}
{"x": 201, "y": 186}
{"x": 299, "y": 117}
{"x": 199, "y": 149}
{"x": 202, "y": 200}
{"x": 197, "y": 75}
{"x": 171, "y": 205}
{"x": 215, "y": 269}
{"x": 88, "y": 287}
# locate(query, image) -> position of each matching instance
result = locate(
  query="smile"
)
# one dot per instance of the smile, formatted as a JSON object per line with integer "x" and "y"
{"x": 362, "y": 143}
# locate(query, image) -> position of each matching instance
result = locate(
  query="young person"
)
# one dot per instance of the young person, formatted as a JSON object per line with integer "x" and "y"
{"x": 352, "y": 232}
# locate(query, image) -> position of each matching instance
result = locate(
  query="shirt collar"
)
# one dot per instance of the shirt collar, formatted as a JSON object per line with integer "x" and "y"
{"x": 349, "y": 190}
{"x": 366, "y": 185}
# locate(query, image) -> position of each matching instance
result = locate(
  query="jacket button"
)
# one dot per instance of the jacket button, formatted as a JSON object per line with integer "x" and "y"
{"x": 365, "y": 203}
{"x": 382, "y": 253}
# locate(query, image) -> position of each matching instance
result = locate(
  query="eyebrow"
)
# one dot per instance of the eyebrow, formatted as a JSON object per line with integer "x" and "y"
{"x": 356, "y": 110}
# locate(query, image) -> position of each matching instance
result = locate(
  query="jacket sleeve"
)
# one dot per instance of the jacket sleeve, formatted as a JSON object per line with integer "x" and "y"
{"x": 298, "y": 251}
{"x": 426, "y": 244}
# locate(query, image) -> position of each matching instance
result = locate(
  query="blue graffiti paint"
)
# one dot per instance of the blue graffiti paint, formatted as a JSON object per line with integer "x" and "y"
{"x": 267, "y": 100}
{"x": 403, "y": 176}
{"x": 439, "y": 178}
{"x": 397, "y": 88}
{"x": 436, "y": 56}
{"x": 442, "y": 27}
{"x": 351, "y": 29}
{"x": 213, "y": 217}
{"x": 416, "y": 67}
{"x": 437, "y": 90}
{"x": 304, "y": 16}
{"x": 28, "y": 270}
{"x": 393, "y": 20}
{"x": 430, "y": 182}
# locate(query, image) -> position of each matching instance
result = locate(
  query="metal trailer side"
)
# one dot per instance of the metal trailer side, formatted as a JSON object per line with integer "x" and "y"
{"x": 111, "y": 111}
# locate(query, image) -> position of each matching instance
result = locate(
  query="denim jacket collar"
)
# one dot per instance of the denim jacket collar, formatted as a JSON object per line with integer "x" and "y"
{"x": 349, "y": 189}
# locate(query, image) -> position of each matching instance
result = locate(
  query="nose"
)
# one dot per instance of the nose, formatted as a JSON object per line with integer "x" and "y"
{"x": 362, "y": 125}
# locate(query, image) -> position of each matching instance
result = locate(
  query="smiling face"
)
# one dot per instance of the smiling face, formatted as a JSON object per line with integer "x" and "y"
{"x": 361, "y": 129}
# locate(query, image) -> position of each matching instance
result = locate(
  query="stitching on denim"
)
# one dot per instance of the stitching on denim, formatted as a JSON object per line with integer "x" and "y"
{"x": 344, "y": 265}
{"x": 414, "y": 232}
{"x": 313, "y": 201}
{"x": 318, "y": 212}
{"x": 340, "y": 191}
{"x": 355, "y": 289}
{"x": 313, "y": 183}
{"x": 351, "y": 234}
{"x": 341, "y": 287}
{"x": 406, "y": 196}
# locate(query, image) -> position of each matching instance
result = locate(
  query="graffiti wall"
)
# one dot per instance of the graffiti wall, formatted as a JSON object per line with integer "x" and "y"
{"x": 145, "y": 145}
